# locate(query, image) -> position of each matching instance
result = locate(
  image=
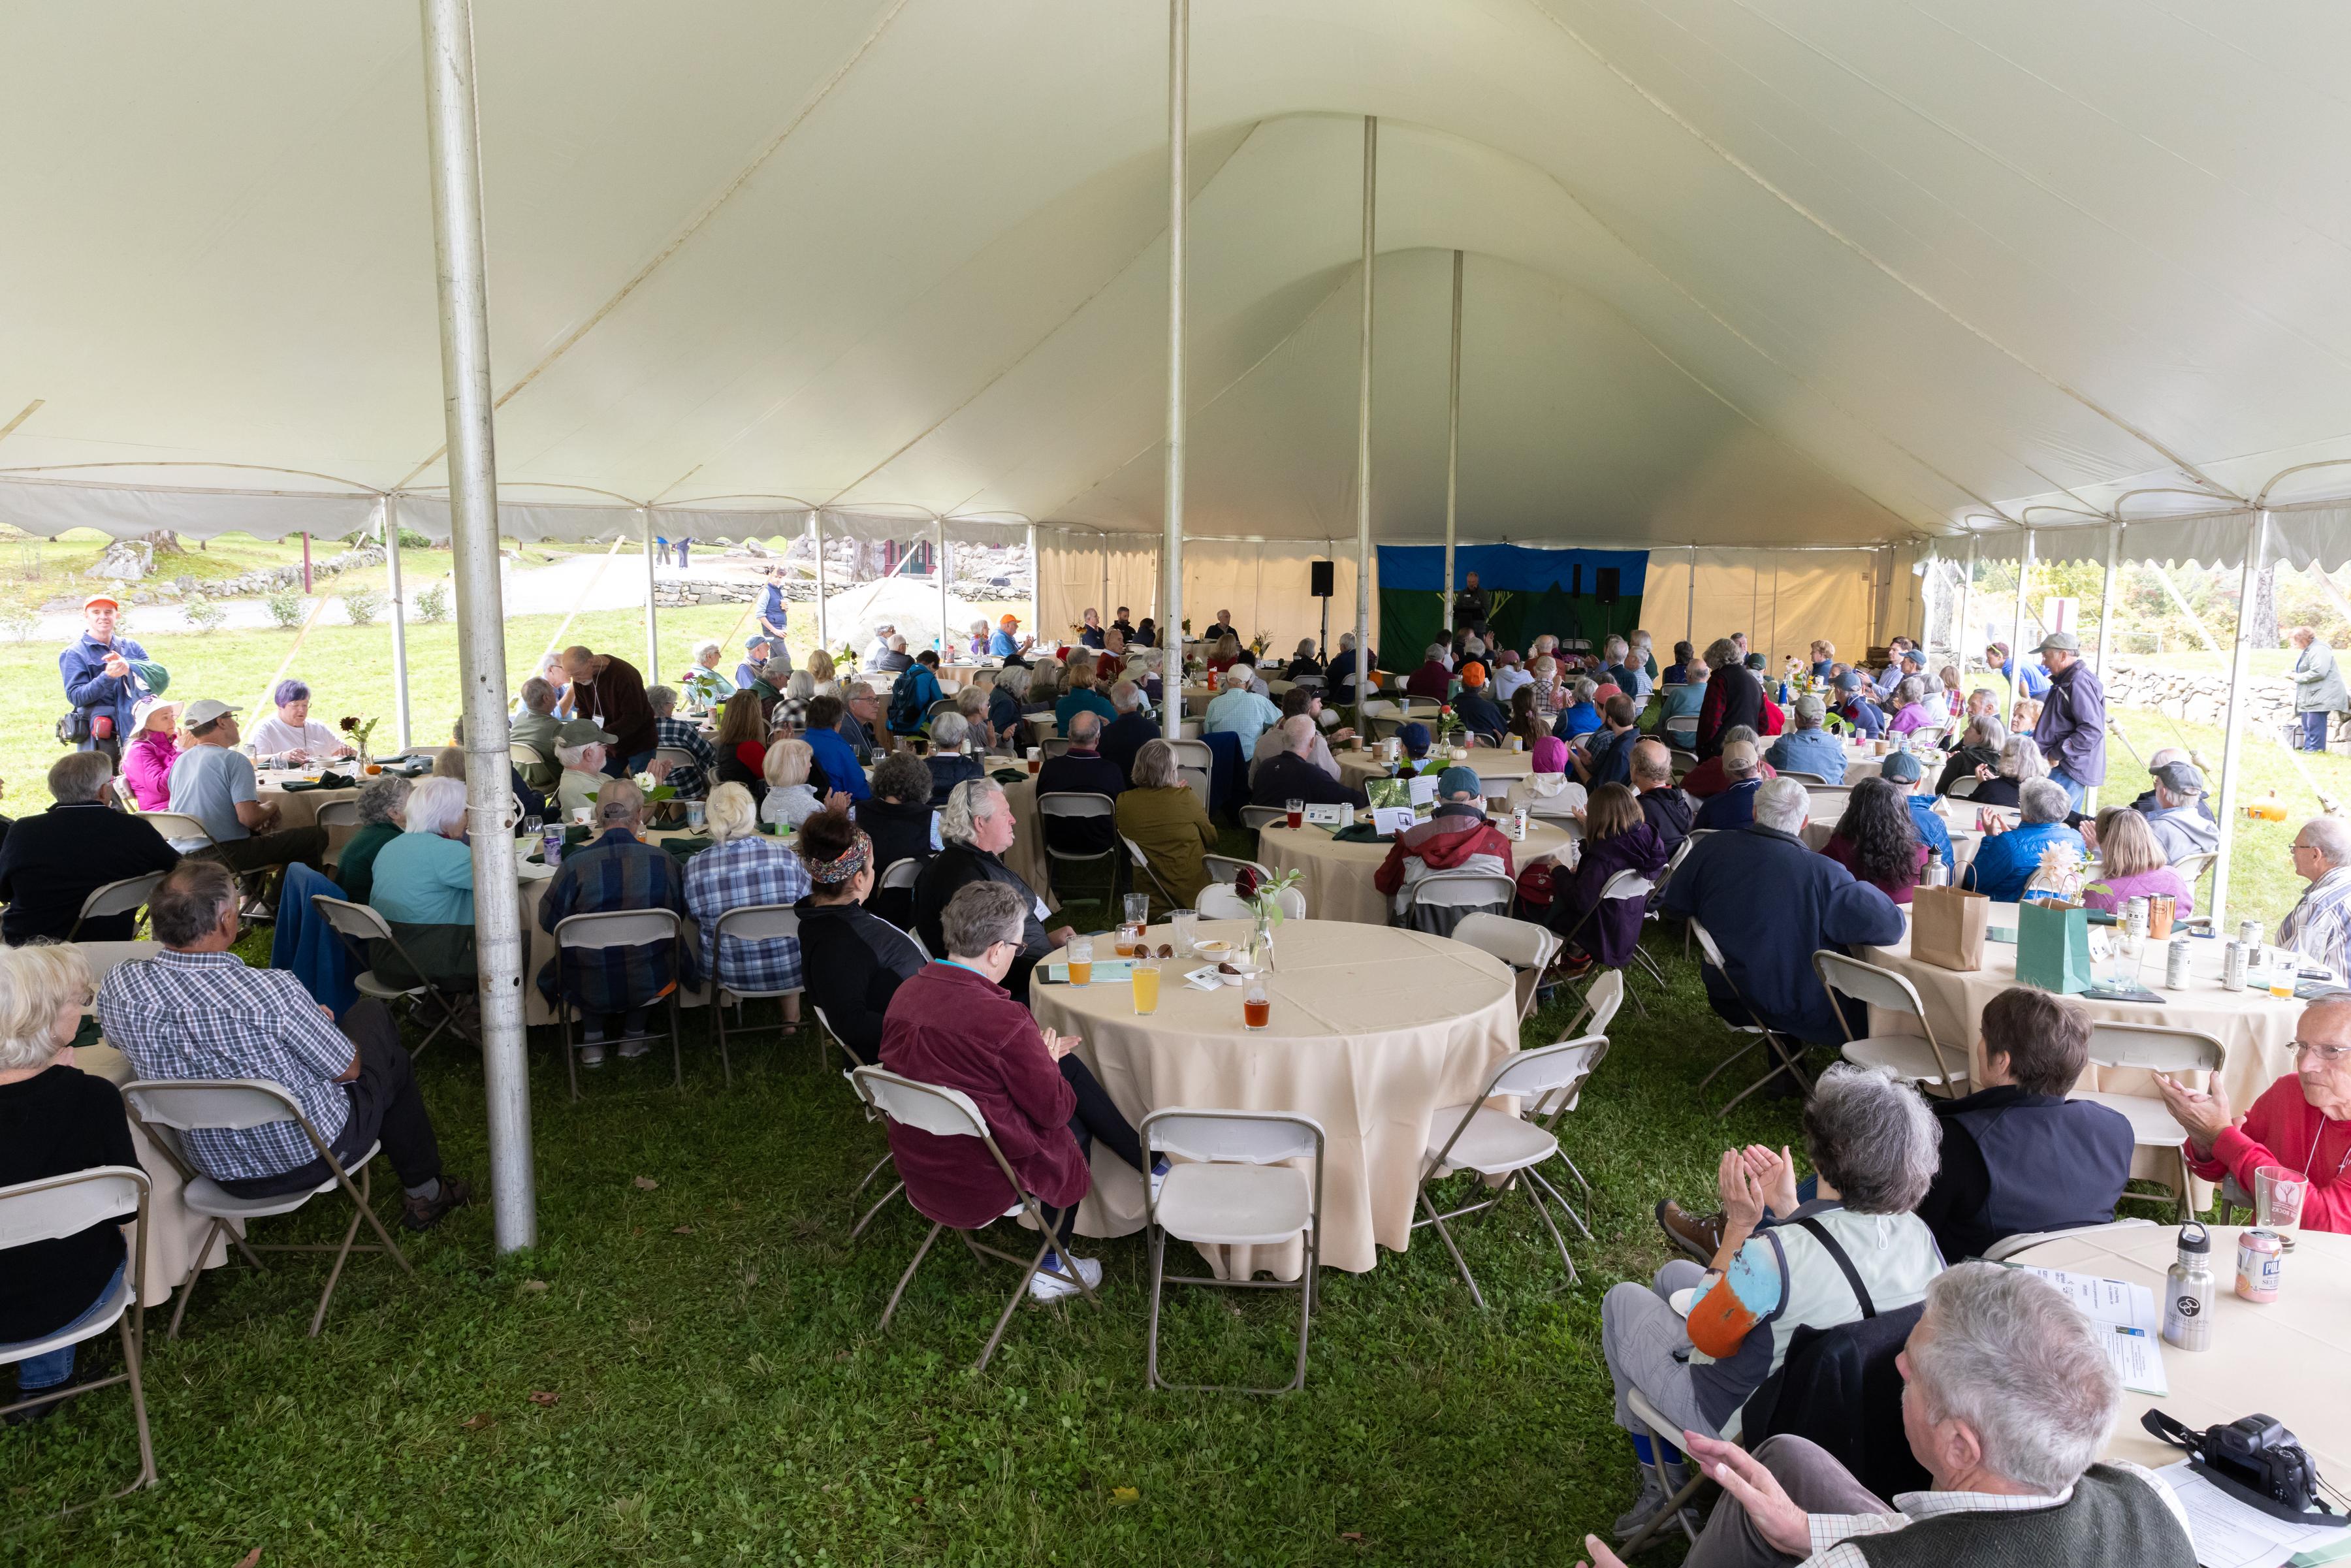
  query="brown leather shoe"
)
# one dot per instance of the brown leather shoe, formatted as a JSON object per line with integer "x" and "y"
{"x": 425, "y": 1213}
{"x": 1700, "y": 1236}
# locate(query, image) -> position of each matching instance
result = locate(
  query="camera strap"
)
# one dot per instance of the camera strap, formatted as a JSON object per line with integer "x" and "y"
{"x": 2198, "y": 1445}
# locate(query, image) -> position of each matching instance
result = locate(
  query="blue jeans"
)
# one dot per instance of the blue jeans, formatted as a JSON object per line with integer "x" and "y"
{"x": 2313, "y": 731}
{"x": 38, "y": 1372}
{"x": 2065, "y": 781}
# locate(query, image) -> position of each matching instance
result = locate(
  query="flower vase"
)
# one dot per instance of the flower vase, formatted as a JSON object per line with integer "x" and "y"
{"x": 1261, "y": 954}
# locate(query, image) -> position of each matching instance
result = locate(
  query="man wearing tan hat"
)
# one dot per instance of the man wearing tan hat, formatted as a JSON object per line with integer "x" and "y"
{"x": 105, "y": 675}
{"x": 213, "y": 782}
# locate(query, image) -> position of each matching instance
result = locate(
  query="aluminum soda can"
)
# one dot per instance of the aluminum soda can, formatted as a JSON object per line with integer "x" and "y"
{"x": 551, "y": 845}
{"x": 1519, "y": 822}
{"x": 2175, "y": 964}
{"x": 2249, "y": 933}
{"x": 2261, "y": 1265}
{"x": 2232, "y": 968}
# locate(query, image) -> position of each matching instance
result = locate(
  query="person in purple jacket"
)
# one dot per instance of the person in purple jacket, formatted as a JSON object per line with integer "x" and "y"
{"x": 2072, "y": 729}
{"x": 1617, "y": 837}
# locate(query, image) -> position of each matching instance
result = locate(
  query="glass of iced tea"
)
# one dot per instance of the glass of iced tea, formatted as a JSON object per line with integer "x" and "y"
{"x": 1082, "y": 960}
{"x": 1256, "y": 1003}
{"x": 1145, "y": 975}
{"x": 1295, "y": 812}
{"x": 1036, "y": 759}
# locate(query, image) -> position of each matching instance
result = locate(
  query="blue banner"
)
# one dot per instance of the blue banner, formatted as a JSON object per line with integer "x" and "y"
{"x": 1518, "y": 567}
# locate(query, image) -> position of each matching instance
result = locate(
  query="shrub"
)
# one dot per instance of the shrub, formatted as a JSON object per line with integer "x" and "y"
{"x": 286, "y": 608}
{"x": 19, "y": 622}
{"x": 362, "y": 606}
{"x": 206, "y": 614}
{"x": 433, "y": 604}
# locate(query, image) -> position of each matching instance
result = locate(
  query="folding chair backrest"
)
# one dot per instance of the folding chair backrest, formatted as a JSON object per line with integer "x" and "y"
{"x": 1867, "y": 983}
{"x": 2153, "y": 1048}
{"x": 1602, "y": 1001}
{"x": 178, "y": 825}
{"x": 1627, "y": 883}
{"x": 1521, "y": 944}
{"x": 1963, "y": 789}
{"x": 57, "y": 1206}
{"x": 2191, "y": 868}
{"x": 927, "y": 1107}
{"x": 1224, "y": 868}
{"x": 230, "y": 1103}
{"x": 2008, "y": 1246}
{"x": 1054, "y": 745}
{"x": 338, "y": 814}
{"x": 1256, "y": 817}
{"x": 1712, "y": 954}
{"x": 1220, "y": 902}
{"x": 1310, "y": 682}
{"x": 100, "y": 957}
{"x": 759, "y": 923}
{"x": 1200, "y": 779}
{"x": 1682, "y": 761}
{"x": 617, "y": 928}
{"x": 120, "y": 897}
{"x": 675, "y": 755}
{"x": 1193, "y": 754}
{"x": 1075, "y": 803}
{"x": 1558, "y": 809}
{"x": 1251, "y": 1137}
{"x": 525, "y": 756}
{"x": 1548, "y": 1068}
{"x": 1801, "y": 777}
{"x": 903, "y": 871}
{"x": 354, "y": 922}
{"x": 1464, "y": 890}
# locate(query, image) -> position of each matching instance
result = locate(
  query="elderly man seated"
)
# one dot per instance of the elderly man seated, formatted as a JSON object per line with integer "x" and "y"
{"x": 1732, "y": 806}
{"x": 757, "y": 648}
{"x": 1082, "y": 770}
{"x": 1456, "y": 838}
{"x": 977, "y": 828}
{"x": 2319, "y": 925}
{"x": 1858, "y": 705}
{"x": 2008, "y": 1399}
{"x": 615, "y": 988}
{"x": 1435, "y": 676}
{"x": 954, "y": 1025}
{"x": 1809, "y": 748}
{"x": 581, "y": 751}
{"x": 1855, "y": 1249}
{"x": 1240, "y": 710}
{"x": 535, "y": 728}
{"x": 691, "y": 780}
{"x": 2008, "y": 858}
{"x": 1667, "y": 809}
{"x": 1769, "y": 903}
{"x": 1292, "y": 773}
{"x": 1605, "y": 756}
{"x": 1708, "y": 779}
{"x": 1131, "y": 731}
{"x": 1295, "y": 702}
{"x": 197, "y": 1011}
{"x": 2302, "y": 1121}
{"x": 51, "y": 863}
{"x": 215, "y": 783}
{"x": 2181, "y": 827}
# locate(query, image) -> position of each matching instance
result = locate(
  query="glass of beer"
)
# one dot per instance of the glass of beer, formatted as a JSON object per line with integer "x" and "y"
{"x": 1145, "y": 975}
{"x": 1256, "y": 1003}
{"x": 1082, "y": 960}
{"x": 1295, "y": 813}
{"x": 1036, "y": 759}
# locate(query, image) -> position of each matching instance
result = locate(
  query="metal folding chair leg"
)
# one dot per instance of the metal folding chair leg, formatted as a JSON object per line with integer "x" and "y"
{"x": 1446, "y": 1236}
{"x": 1312, "y": 1273}
{"x": 1538, "y": 1179}
{"x": 908, "y": 1277}
{"x": 1556, "y": 1238}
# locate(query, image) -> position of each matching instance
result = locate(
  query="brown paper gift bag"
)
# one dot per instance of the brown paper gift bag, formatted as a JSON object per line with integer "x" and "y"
{"x": 1947, "y": 927}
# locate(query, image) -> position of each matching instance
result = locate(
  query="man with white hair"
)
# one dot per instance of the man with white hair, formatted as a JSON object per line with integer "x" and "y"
{"x": 705, "y": 686}
{"x": 580, "y": 751}
{"x": 977, "y": 827}
{"x": 2008, "y": 1399}
{"x": 615, "y": 988}
{"x": 2180, "y": 830}
{"x": 1082, "y": 770}
{"x": 691, "y": 780}
{"x": 1733, "y": 805}
{"x": 1643, "y": 663}
{"x": 1770, "y": 903}
{"x": 1435, "y": 676}
{"x": 1809, "y": 748}
{"x": 894, "y": 657}
{"x": 535, "y": 728}
{"x": 51, "y": 863}
{"x": 2319, "y": 925}
{"x": 2302, "y": 1121}
{"x": 757, "y": 651}
{"x": 879, "y": 649}
{"x": 2146, "y": 803}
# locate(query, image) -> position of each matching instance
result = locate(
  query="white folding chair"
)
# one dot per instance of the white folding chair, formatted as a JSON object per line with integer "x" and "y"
{"x": 1070, "y": 805}
{"x": 1528, "y": 948}
{"x": 596, "y": 932}
{"x": 1622, "y": 886}
{"x": 1801, "y": 777}
{"x": 677, "y": 756}
{"x": 1598, "y": 1009}
{"x": 1143, "y": 864}
{"x": 1224, "y": 868}
{"x": 51, "y": 1209}
{"x": 1193, "y": 754}
{"x": 1964, "y": 787}
{"x": 902, "y": 874}
{"x": 1681, "y": 761}
{"x": 1234, "y": 1183}
{"x": 1217, "y": 901}
{"x": 1790, "y": 1054}
{"x": 751, "y": 922}
{"x": 526, "y": 758}
{"x": 358, "y": 925}
{"x": 169, "y": 1108}
{"x": 2151, "y": 1048}
{"x": 2008, "y": 1246}
{"x": 1915, "y": 1058}
{"x": 126, "y": 896}
{"x": 179, "y": 826}
{"x": 1460, "y": 890}
{"x": 338, "y": 814}
{"x": 1487, "y": 1142}
{"x": 949, "y": 1113}
{"x": 1054, "y": 745}
{"x": 100, "y": 957}
{"x": 824, "y": 1026}
{"x": 1258, "y": 818}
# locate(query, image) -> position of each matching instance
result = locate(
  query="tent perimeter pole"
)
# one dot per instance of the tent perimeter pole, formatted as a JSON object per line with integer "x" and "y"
{"x": 1032, "y": 578}
{"x": 2232, "y": 738}
{"x": 1171, "y": 550}
{"x": 2016, "y": 637}
{"x": 946, "y": 638}
{"x": 1364, "y": 422}
{"x": 815, "y": 539}
{"x": 1690, "y": 605}
{"x": 1965, "y": 635}
{"x": 399, "y": 622}
{"x": 2106, "y": 617}
{"x": 1452, "y": 444}
{"x": 468, "y": 416}
{"x": 653, "y": 610}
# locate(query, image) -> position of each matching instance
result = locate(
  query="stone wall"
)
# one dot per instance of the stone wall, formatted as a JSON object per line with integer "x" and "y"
{"x": 2201, "y": 698}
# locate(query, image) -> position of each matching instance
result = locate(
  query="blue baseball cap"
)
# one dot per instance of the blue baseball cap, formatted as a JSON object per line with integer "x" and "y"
{"x": 1459, "y": 780}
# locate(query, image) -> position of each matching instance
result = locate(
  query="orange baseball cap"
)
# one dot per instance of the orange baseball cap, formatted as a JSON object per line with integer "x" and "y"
{"x": 1473, "y": 674}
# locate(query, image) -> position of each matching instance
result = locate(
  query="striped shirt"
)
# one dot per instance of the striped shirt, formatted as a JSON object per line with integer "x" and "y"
{"x": 741, "y": 873}
{"x": 209, "y": 1015}
{"x": 2319, "y": 927}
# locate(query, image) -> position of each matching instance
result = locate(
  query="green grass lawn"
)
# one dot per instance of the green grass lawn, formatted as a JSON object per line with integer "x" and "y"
{"x": 721, "y": 1393}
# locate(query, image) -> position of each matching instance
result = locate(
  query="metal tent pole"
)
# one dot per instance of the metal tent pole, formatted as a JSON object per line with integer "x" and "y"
{"x": 1452, "y": 444}
{"x": 816, "y": 538}
{"x": 468, "y": 415}
{"x": 2016, "y": 637}
{"x": 1032, "y": 578}
{"x": 1364, "y": 420}
{"x": 940, "y": 565}
{"x": 2106, "y": 621}
{"x": 1689, "y": 607}
{"x": 1967, "y": 596}
{"x": 653, "y": 610}
{"x": 1171, "y": 550}
{"x": 399, "y": 622}
{"x": 2232, "y": 739}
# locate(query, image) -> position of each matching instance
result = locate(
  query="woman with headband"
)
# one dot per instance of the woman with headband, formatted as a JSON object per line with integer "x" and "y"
{"x": 853, "y": 959}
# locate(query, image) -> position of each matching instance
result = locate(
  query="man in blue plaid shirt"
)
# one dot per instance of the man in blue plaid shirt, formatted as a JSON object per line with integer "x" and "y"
{"x": 615, "y": 988}
{"x": 691, "y": 780}
{"x": 197, "y": 1011}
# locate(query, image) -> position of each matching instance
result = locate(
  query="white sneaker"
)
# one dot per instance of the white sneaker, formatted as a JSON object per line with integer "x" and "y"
{"x": 1049, "y": 1284}
{"x": 592, "y": 1054}
{"x": 633, "y": 1048}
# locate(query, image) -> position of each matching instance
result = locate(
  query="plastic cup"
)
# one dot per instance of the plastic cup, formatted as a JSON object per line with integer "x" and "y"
{"x": 1145, "y": 974}
{"x": 579, "y": 815}
{"x": 1294, "y": 813}
{"x": 1256, "y": 1004}
{"x": 2283, "y": 964}
{"x": 1138, "y": 911}
{"x": 695, "y": 812}
{"x": 1185, "y": 921}
{"x": 2277, "y": 1197}
{"x": 1081, "y": 961}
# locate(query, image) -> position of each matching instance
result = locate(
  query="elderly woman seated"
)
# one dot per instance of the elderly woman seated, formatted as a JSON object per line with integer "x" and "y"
{"x": 972, "y": 703}
{"x": 1909, "y": 706}
{"x": 977, "y": 826}
{"x": 854, "y": 958}
{"x": 2009, "y": 857}
{"x": 705, "y": 685}
{"x": 1164, "y": 818}
{"x": 951, "y": 759}
{"x": 1781, "y": 1265}
{"x": 1007, "y": 701}
{"x": 900, "y": 822}
{"x": 2020, "y": 763}
{"x": 1979, "y": 746}
{"x": 792, "y": 799}
{"x": 2302, "y": 1121}
{"x": 690, "y": 781}
{"x": 423, "y": 885}
{"x": 2131, "y": 865}
{"x": 290, "y": 738}
{"x": 383, "y": 814}
{"x": 743, "y": 868}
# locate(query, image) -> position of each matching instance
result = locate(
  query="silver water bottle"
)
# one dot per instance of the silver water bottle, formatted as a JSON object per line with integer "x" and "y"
{"x": 2188, "y": 1291}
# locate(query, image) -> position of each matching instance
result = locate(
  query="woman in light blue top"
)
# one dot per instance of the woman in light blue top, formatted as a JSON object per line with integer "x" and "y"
{"x": 423, "y": 886}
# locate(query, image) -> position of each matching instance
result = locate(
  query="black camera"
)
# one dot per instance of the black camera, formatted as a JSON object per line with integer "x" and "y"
{"x": 2256, "y": 1459}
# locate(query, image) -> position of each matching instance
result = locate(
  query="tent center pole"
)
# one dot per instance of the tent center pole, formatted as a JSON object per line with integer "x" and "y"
{"x": 2016, "y": 637}
{"x": 468, "y": 414}
{"x": 652, "y": 606}
{"x": 1171, "y": 552}
{"x": 399, "y": 622}
{"x": 1452, "y": 444}
{"x": 946, "y": 636}
{"x": 1364, "y": 422}
{"x": 816, "y": 540}
{"x": 2106, "y": 618}
{"x": 1965, "y": 634}
{"x": 2232, "y": 738}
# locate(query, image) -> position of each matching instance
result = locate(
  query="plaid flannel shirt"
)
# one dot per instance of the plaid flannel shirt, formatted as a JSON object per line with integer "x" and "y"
{"x": 616, "y": 871}
{"x": 692, "y": 783}
{"x": 751, "y": 870}
{"x": 209, "y": 1015}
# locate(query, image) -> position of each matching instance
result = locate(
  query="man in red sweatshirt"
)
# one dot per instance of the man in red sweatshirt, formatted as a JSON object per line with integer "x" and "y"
{"x": 2302, "y": 1121}
{"x": 1456, "y": 837}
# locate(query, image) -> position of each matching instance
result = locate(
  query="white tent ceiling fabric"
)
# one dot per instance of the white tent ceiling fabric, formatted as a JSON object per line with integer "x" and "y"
{"x": 1739, "y": 272}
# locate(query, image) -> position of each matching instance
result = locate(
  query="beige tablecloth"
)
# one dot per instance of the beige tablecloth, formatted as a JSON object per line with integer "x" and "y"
{"x": 1491, "y": 764}
{"x": 1373, "y": 1030}
{"x": 2290, "y": 1358}
{"x": 1337, "y": 877}
{"x": 1957, "y": 816}
{"x": 172, "y": 1232}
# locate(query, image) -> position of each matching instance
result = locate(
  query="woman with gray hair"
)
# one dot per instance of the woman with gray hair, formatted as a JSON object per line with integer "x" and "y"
{"x": 290, "y": 738}
{"x": 1854, "y": 1250}
{"x": 1162, "y": 816}
{"x": 950, "y": 759}
{"x": 1978, "y": 749}
{"x": 2009, "y": 856}
{"x": 705, "y": 686}
{"x": 1733, "y": 697}
{"x": 423, "y": 887}
{"x": 1004, "y": 705}
{"x": 2020, "y": 763}
{"x": 1909, "y": 706}
{"x": 384, "y": 807}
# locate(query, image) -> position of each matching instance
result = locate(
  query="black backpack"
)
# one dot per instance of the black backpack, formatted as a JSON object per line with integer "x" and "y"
{"x": 905, "y": 716}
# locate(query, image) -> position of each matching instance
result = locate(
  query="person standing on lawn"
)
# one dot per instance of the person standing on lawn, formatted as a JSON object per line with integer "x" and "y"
{"x": 611, "y": 691}
{"x": 2318, "y": 691}
{"x": 2072, "y": 729}
{"x": 105, "y": 675}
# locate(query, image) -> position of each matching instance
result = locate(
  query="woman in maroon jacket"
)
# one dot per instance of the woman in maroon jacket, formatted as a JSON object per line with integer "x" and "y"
{"x": 955, "y": 1026}
{"x": 1732, "y": 697}
{"x": 1616, "y": 837}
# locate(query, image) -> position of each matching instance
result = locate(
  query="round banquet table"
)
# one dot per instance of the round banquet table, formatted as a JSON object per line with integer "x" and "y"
{"x": 2290, "y": 1358}
{"x": 1196, "y": 697}
{"x": 298, "y": 808}
{"x": 1337, "y": 877}
{"x": 1373, "y": 1030}
{"x": 1959, "y": 817}
{"x": 2255, "y": 1029}
{"x": 1356, "y": 766}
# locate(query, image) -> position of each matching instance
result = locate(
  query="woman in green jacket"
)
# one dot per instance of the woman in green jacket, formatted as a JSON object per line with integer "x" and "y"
{"x": 1170, "y": 823}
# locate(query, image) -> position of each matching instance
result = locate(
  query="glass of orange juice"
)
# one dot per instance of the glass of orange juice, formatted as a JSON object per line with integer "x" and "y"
{"x": 1144, "y": 973}
{"x": 1082, "y": 960}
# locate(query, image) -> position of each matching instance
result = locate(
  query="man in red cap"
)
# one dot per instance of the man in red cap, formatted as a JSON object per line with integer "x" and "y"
{"x": 99, "y": 680}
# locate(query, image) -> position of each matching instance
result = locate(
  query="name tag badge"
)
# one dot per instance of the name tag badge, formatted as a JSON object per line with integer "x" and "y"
{"x": 1043, "y": 912}
{"x": 1329, "y": 816}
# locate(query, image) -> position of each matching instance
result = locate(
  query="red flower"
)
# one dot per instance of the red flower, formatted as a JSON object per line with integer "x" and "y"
{"x": 1244, "y": 881}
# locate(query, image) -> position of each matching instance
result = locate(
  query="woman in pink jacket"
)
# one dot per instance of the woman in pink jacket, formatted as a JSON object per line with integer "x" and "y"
{"x": 147, "y": 760}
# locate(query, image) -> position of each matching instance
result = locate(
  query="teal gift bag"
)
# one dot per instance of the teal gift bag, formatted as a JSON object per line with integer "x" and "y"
{"x": 2053, "y": 946}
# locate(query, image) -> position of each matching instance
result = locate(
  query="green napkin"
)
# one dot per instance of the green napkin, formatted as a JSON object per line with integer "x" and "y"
{"x": 688, "y": 847}
{"x": 1010, "y": 775}
{"x": 1359, "y": 833}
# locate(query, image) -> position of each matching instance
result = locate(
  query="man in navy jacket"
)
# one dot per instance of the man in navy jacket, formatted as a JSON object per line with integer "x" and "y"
{"x": 1769, "y": 903}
